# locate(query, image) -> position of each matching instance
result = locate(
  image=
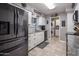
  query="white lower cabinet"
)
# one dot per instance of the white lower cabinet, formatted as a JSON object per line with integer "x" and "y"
{"x": 30, "y": 41}
{"x": 39, "y": 37}
{"x": 35, "y": 39}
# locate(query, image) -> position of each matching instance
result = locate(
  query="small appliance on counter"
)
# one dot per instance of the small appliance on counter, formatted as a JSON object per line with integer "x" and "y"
{"x": 42, "y": 27}
{"x": 45, "y": 32}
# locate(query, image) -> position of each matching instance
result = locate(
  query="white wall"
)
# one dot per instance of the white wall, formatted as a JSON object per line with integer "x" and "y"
{"x": 76, "y": 40}
{"x": 70, "y": 29}
{"x": 48, "y": 27}
{"x": 73, "y": 41}
{"x": 68, "y": 17}
{"x": 70, "y": 23}
{"x": 62, "y": 30}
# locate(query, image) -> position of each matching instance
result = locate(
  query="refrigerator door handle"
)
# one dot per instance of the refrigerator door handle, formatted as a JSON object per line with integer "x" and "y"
{"x": 17, "y": 22}
{"x": 73, "y": 16}
{"x": 14, "y": 21}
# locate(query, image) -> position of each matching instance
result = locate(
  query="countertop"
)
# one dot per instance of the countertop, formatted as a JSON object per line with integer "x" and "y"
{"x": 37, "y": 32}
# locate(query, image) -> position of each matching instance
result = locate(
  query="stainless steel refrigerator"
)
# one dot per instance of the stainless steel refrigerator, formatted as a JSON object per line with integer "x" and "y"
{"x": 13, "y": 31}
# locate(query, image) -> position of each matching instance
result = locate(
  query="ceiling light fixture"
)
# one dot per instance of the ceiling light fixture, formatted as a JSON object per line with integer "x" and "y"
{"x": 50, "y": 5}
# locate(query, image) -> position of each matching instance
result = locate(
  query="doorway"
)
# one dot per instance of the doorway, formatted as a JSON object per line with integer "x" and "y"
{"x": 55, "y": 26}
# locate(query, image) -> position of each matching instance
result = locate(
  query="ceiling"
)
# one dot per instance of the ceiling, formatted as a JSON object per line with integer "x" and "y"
{"x": 60, "y": 7}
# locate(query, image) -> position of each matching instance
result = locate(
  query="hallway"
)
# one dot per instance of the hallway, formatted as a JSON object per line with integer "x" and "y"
{"x": 55, "y": 47}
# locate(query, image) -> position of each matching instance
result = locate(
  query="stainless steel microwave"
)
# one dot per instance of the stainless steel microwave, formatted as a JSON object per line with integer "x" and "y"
{"x": 76, "y": 16}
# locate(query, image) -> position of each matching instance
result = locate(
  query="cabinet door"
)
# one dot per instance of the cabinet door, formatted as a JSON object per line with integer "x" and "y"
{"x": 29, "y": 17}
{"x": 36, "y": 39}
{"x": 41, "y": 21}
{"x": 31, "y": 41}
{"x": 39, "y": 38}
{"x": 42, "y": 36}
{"x": 30, "y": 44}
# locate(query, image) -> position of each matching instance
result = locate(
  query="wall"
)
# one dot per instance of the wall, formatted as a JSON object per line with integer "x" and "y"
{"x": 73, "y": 41}
{"x": 48, "y": 27}
{"x": 70, "y": 26}
{"x": 76, "y": 40}
{"x": 62, "y": 30}
{"x": 68, "y": 17}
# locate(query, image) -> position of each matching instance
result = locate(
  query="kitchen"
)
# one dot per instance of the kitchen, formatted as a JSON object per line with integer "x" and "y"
{"x": 26, "y": 28}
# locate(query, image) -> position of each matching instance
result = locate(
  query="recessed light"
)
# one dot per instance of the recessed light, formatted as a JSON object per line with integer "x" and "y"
{"x": 50, "y": 5}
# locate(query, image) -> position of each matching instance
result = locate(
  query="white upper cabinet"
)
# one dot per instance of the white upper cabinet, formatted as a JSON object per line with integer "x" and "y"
{"x": 41, "y": 20}
{"x": 29, "y": 17}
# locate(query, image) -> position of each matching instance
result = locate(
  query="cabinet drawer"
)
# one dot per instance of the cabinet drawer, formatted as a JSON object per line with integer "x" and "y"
{"x": 31, "y": 35}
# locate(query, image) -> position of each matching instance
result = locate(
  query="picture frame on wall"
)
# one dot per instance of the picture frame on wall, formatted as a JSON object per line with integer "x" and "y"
{"x": 63, "y": 23}
{"x": 47, "y": 22}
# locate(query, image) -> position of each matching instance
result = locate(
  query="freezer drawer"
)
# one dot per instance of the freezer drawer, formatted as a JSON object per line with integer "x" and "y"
{"x": 18, "y": 44}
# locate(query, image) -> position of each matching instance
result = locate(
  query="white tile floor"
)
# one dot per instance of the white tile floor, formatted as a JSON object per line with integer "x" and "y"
{"x": 55, "y": 47}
